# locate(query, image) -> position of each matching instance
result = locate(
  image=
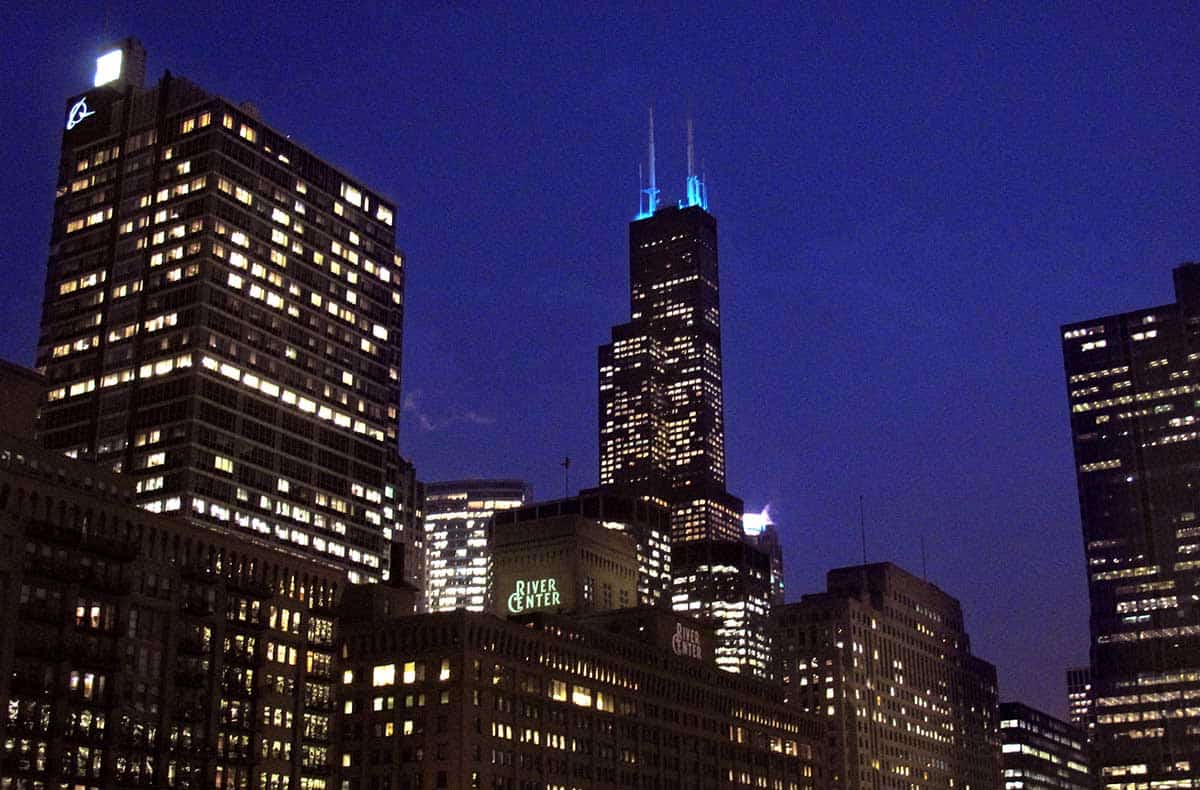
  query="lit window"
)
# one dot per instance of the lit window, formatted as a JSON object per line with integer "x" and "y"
{"x": 351, "y": 194}
{"x": 384, "y": 675}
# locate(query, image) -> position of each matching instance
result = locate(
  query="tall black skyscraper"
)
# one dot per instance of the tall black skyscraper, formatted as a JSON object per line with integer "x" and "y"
{"x": 662, "y": 423}
{"x": 222, "y": 321}
{"x": 1135, "y": 422}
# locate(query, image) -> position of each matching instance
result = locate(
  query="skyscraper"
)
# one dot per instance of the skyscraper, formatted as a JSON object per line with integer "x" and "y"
{"x": 1135, "y": 403}
{"x": 458, "y": 546}
{"x": 885, "y": 657}
{"x": 222, "y": 322}
{"x": 661, "y": 416}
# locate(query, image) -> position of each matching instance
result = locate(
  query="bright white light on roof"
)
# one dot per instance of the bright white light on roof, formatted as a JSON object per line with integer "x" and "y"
{"x": 754, "y": 523}
{"x": 108, "y": 68}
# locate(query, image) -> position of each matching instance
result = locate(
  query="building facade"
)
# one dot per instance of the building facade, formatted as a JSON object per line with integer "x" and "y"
{"x": 563, "y": 563}
{"x": 1132, "y": 387}
{"x": 222, "y": 323}
{"x": 648, "y": 523}
{"x": 465, "y": 700}
{"x": 661, "y": 407}
{"x": 140, "y": 650}
{"x": 728, "y": 584}
{"x": 458, "y": 552}
{"x": 884, "y": 658}
{"x": 1079, "y": 700}
{"x": 662, "y": 430}
{"x": 1041, "y": 752}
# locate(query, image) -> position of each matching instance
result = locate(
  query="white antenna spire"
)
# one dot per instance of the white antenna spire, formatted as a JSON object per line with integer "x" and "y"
{"x": 691, "y": 149}
{"x": 652, "y": 148}
{"x": 651, "y": 191}
{"x": 697, "y": 195}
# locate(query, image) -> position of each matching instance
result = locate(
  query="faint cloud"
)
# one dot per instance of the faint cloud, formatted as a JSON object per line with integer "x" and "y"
{"x": 428, "y": 422}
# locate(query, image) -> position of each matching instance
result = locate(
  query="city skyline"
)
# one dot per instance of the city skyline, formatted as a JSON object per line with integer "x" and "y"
{"x": 892, "y": 257}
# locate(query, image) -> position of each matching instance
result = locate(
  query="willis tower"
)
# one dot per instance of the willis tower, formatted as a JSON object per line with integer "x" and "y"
{"x": 661, "y": 417}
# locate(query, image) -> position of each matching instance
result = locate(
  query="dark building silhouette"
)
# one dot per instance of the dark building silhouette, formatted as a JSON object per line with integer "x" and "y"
{"x": 222, "y": 323}
{"x": 1040, "y": 752}
{"x": 885, "y": 658}
{"x": 23, "y": 389}
{"x": 1133, "y": 395}
{"x": 661, "y": 415}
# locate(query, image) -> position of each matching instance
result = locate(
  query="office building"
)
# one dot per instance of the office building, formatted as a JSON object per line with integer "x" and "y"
{"x": 140, "y": 650}
{"x": 222, "y": 323}
{"x": 466, "y": 700}
{"x": 563, "y": 563}
{"x": 1040, "y": 752}
{"x": 661, "y": 409}
{"x": 1132, "y": 384}
{"x": 458, "y": 553}
{"x": 648, "y": 523}
{"x": 662, "y": 431}
{"x": 728, "y": 584}
{"x": 883, "y": 656}
{"x": 1079, "y": 700}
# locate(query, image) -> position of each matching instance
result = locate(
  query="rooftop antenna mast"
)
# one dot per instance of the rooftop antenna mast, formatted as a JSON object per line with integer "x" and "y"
{"x": 862, "y": 526}
{"x": 924, "y": 566}
{"x": 651, "y": 191}
{"x": 696, "y": 193}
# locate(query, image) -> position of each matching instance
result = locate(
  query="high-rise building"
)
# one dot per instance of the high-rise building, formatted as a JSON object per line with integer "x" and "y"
{"x": 1135, "y": 402}
{"x": 1079, "y": 700}
{"x": 885, "y": 658}
{"x": 1040, "y": 752}
{"x": 222, "y": 322}
{"x": 458, "y": 549}
{"x": 661, "y": 415}
{"x": 662, "y": 430}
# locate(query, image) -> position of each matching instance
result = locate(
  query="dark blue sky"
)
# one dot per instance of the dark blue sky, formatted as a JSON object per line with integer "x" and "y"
{"x": 910, "y": 202}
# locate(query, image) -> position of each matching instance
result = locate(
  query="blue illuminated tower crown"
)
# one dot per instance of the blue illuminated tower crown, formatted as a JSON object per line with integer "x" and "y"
{"x": 696, "y": 190}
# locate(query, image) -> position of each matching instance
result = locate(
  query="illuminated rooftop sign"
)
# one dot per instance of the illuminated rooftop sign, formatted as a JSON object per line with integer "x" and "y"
{"x": 533, "y": 594}
{"x": 108, "y": 68}
{"x": 79, "y": 112}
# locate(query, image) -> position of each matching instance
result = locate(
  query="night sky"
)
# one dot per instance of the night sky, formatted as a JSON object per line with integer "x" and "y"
{"x": 910, "y": 203}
